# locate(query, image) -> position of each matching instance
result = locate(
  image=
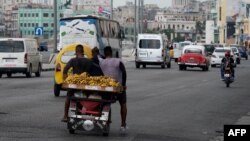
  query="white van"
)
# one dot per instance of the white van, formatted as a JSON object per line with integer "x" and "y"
{"x": 150, "y": 50}
{"x": 19, "y": 55}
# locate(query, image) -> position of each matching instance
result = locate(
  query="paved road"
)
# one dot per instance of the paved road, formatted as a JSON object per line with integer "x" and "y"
{"x": 164, "y": 104}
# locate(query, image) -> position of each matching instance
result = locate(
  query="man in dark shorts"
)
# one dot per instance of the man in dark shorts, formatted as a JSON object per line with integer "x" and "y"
{"x": 79, "y": 64}
{"x": 114, "y": 68}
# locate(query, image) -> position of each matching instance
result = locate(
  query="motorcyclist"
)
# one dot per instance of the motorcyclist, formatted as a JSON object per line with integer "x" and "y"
{"x": 229, "y": 61}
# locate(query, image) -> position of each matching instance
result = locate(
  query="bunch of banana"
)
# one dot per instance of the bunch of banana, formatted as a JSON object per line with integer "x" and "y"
{"x": 85, "y": 79}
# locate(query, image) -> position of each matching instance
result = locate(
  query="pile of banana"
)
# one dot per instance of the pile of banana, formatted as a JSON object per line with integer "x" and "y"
{"x": 85, "y": 79}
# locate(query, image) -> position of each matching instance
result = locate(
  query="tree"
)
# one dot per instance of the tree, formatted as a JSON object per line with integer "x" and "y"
{"x": 200, "y": 27}
{"x": 168, "y": 32}
{"x": 179, "y": 38}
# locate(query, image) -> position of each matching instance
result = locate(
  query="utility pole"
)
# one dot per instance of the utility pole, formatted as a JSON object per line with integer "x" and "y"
{"x": 142, "y": 15}
{"x": 112, "y": 10}
{"x": 55, "y": 26}
{"x": 135, "y": 30}
{"x": 139, "y": 16}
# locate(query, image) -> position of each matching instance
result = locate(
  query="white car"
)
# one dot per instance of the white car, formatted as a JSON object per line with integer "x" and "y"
{"x": 219, "y": 53}
{"x": 237, "y": 53}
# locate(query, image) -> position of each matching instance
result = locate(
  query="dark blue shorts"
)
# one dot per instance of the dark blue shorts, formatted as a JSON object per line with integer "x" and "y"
{"x": 122, "y": 98}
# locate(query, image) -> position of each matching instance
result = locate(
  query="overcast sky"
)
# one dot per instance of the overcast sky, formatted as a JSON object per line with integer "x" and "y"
{"x": 160, "y": 3}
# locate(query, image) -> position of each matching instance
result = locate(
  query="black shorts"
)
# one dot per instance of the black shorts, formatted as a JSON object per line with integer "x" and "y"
{"x": 70, "y": 93}
{"x": 122, "y": 98}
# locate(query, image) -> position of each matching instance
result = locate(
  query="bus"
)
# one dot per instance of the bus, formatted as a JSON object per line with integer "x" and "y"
{"x": 91, "y": 30}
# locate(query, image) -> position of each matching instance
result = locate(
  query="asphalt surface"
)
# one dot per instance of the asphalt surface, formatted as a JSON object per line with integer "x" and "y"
{"x": 163, "y": 105}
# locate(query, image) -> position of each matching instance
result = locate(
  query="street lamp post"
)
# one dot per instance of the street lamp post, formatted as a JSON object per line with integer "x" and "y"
{"x": 112, "y": 9}
{"x": 55, "y": 26}
{"x": 135, "y": 30}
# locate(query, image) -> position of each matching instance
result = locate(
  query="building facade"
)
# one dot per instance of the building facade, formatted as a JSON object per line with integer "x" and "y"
{"x": 222, "y": 14}
{"x": 164, "y": 15}
{"x": 29, "y": 19}
{"x": 243, "y": 24}
{"x": 126, "y": 17}
{"x": 181, "y": 24}
{"x": 95, "y": 7}
{"x": 180, "y": 3}
{"x": 10, "y": 15}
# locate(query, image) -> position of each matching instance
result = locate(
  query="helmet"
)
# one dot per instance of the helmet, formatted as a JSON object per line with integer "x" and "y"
{"x": 227, "y": 53}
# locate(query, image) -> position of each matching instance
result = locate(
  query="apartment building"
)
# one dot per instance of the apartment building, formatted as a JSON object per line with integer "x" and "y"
{"x": 9, "y": 8}
{"x": 29, "y": 19}
{"x": 126, "y": 17}
{"x": 180, "y": 3}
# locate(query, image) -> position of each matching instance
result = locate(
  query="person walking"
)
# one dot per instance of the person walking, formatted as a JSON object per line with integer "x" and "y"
{"x": 114, "y": 68}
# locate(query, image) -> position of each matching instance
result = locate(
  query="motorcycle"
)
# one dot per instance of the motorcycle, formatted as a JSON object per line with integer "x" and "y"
{"x": 228, "y": 79}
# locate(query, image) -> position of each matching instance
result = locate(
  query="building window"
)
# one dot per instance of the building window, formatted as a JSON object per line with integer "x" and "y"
{"x": 45, "y": 15}
{"x": 36, "y": 24}
{"x": 45, "y": 24}
{"x": 52, "y": 15}
{"x": 33, "y": 15}
{"x": 28, "y": 32}
{"x": 61, "y": 15}
{"x": 33, "y": 24}
{"x": 52, "y": 24}
{"x": 37, "y": 15}
{"x": 25, "y": 15}
{"x": 21, "y": 24}
{"x": 29, "y": 15}
{"x": 169, "y": 26}
{"x": 24, "y": 24}
{"x": 28, "y": 24}
{"x": 21, "y": 15}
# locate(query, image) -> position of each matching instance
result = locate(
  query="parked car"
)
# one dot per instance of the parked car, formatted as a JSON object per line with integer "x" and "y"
{"x": 237, "y": 54}
{"x": 62, "y": 59}
{"x": 243, "y": 52}
{"x": 43, "y": 46}
{"x": 219, "y": 53}
{"x": 150, "y": 50}
{"x": 19, "y": 55}
{"x": 194, "y": 56}
{"x": 209, "y": 48}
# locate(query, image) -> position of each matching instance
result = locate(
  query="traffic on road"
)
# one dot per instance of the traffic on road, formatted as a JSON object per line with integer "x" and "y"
{"x": 124, "y": 73}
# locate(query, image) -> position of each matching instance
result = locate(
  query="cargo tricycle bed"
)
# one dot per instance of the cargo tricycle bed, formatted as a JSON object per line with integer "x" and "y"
{"x": 90, "y": 108}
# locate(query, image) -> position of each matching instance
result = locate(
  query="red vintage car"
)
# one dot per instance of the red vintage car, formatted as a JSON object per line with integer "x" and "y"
{"x": 194, "y": 56}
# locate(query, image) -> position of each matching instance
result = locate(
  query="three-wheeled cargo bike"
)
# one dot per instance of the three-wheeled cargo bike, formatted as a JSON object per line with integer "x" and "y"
{"x": 90, "y": 108}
